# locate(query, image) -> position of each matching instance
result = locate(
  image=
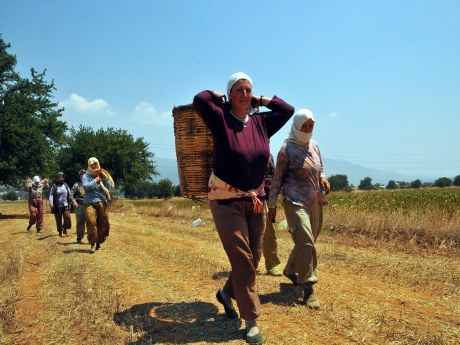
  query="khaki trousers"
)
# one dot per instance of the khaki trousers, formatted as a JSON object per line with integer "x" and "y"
{"x": 270, "y": 246}
{"x": 80, "y": 218}
{"x": 241, "y": 232}
{"x": 97, "y": 222}
{"x": 304, "y": 226}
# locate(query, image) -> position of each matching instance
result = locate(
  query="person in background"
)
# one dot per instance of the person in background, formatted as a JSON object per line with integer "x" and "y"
{"x": 60, "y": 200}
{"x": 96, "y": 183}
{"x": 79, "y": 194}
{"x": 36, "y": 189}
{"x": 299, "y": 174}
{"x": 236, "y": 192}
{"x": 269, "y": 245}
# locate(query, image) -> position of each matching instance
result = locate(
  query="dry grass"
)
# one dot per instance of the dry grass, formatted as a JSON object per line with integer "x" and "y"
{"x": 156, "y": 277}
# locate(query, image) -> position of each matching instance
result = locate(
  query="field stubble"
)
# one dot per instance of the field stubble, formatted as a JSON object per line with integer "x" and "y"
{"x": 155, "y": 280}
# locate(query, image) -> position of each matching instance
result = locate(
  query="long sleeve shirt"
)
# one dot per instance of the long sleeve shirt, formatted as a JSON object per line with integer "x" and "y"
{"x": 78, "y": 192}
{"x": 241, "y": 151}
{"x": 93, "y": 190}
{"x": 36, "y": 191}
{"x": 60, "y": 195}
{"x": 298, "y": 174}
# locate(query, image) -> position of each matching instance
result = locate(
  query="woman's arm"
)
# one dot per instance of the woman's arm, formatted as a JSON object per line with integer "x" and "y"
{"x": 280, "y": 113}
{"x": 282, "y": 166}
{"x": 205, "y": 104}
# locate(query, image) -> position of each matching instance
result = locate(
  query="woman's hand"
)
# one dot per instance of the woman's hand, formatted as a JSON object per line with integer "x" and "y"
{"x": 272, "y": 214}
{"x": 220, "y": 96}
{"x": 103, "y": 174}
{"x": 325, "y": 185}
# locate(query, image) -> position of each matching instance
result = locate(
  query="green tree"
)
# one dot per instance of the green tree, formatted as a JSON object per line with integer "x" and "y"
{"x": 456, "y": 181}
{"x": 391, "y": 185}
{"x": 443, "y": 182}
{"x": 165, "y": 188}
{"x": 338, "y": 182}
{"x": 30, "y": 129}
{"x": 366, "y": 184}
{"x": 416, "y": 184}
{"x": 127, "y": 159}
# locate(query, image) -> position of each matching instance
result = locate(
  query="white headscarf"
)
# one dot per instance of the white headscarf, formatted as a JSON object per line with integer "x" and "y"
{"x": 234, "y": 78}
{"x": 296, "y": 135}
{"x": 36, "y": 180}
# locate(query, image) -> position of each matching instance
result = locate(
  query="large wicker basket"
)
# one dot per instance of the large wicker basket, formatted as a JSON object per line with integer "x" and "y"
{"x": 194, "y": 151}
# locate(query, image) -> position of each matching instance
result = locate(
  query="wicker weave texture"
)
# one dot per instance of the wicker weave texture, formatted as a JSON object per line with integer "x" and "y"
{"x": 194, "y": 151}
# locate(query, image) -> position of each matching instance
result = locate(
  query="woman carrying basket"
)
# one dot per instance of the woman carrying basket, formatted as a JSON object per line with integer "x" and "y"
{"x": 236, "y": 185}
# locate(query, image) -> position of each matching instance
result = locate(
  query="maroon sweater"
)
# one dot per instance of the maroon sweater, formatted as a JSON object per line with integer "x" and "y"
{"x": 241, "y": 151}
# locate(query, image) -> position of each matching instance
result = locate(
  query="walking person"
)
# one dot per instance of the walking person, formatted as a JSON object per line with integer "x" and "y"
{"x": 300, "y": 177}
{"x": 236, "y": 193}
{"x": 269, "y": 245}
{"x": 36, "y": 189}
{"x": 96, "y": 183}
{"x": 79, "y": 194}
{"x": 60, "y": 200}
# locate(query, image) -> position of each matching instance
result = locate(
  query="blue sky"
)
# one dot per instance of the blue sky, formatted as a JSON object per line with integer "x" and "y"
{"x": 381, "y": 77}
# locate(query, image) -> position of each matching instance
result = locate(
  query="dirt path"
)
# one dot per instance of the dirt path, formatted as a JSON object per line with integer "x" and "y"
{"x": 155, "y": 281}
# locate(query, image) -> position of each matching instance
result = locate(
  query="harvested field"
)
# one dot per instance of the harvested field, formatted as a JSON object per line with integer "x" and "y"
{"x": 155, "y": 279}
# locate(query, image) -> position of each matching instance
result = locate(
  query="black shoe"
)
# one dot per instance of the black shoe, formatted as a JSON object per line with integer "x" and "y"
{"x": 92, "y": 246}
{"x": 229, "y": 311}
{"x": 39, "y": 230}
{"x": 29, "y": 226}
{"x": 65, "y": 233}
{"x": 98, "y": 246}
{"x": 60, "y": 233}
{"x": 255, "y": 339}
{"x": 79, "y": 241}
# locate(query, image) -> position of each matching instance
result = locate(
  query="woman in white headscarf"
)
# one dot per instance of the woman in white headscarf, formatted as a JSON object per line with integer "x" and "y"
{"x": 96, "y": 183}
{"x": 299, "y": 175}
{"x": 236, "y": 186}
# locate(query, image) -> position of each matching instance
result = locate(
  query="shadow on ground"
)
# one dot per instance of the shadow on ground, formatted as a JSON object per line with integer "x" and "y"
{"x": 287, "y": 295}
{"x": 85, "y": 251}
{"x": 14, "y": 216}
{"x": 178, "y": 323}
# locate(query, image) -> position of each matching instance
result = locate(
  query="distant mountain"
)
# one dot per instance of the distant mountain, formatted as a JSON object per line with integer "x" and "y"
{"x": 355, "y": 172}
{"x": 167, "y": 168}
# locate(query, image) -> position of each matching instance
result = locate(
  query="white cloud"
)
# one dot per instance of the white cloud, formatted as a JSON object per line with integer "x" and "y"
{"x": 146, "y": 114}
{"x": 81, "y": 105}
{"x": 333, "y": 114}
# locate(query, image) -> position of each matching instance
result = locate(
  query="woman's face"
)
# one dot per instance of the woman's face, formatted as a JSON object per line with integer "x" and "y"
{"x": 307, "y": 126}
{"x": 241, "y": 94}
{"x": 95, "y": 166}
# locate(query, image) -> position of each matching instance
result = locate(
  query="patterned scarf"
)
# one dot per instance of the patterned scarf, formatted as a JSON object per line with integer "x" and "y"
{"x": 220, "y": 190}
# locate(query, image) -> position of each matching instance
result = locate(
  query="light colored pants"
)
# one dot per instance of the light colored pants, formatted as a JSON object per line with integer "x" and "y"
{"x": 80, "y": 218}
{"x": 241, "y": 232}
{"x": 270, "y": 246}
{"x": 97, "y": 222}
{"x": 304, "y": 226}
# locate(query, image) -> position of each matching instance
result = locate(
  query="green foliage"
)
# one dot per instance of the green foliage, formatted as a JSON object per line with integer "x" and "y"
{"x": 338, "y": 182}
{"x": 30, "y": 129}
{"x": 127, "y": 159}
{"x": 456, "y": 181}
{"x": 401, "y": 201}
{"x": 416, "y": 184}
{"x": 366, "y": 184}
{"x": 443, "y": 182}
{"x": 147, "y": 189}
{"x": 391, "y": 185}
